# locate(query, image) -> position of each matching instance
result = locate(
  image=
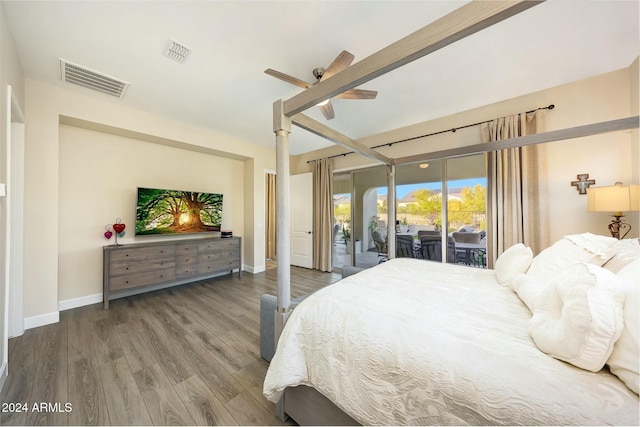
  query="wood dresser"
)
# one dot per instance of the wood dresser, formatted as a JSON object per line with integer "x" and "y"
{"x": 145, "y": 265}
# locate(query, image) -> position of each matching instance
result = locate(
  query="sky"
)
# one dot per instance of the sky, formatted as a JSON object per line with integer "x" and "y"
{"x": 403, "y": 190}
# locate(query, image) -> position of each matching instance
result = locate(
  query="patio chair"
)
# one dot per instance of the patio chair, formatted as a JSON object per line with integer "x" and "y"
{"x": 466, "y": 255}
{"x": 404, "y": 247}
{"x": 379, "y": 239}
{"x": 431, "y": 248}
{"x": 428, "y": 233}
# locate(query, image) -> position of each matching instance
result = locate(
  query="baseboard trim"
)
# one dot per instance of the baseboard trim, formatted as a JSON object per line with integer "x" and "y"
{"x": 41, "y": 320}
{"x": 68, "y": 304}
{"x": 254, "y": 270}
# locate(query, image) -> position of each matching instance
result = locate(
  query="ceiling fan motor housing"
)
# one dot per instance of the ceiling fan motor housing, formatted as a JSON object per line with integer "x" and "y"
{"x": 318, "y": 72}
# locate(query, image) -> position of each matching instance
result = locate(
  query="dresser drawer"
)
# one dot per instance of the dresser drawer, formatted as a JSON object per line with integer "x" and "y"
{"x": 132, "y": 266}
{"x": 141, "y": 254}
{"x": 219, "y": 246}
{"x": 186, "y": 271}
{"x": 206, "y": 269}
{"x": 186, "y": 249}
{"x": 142, "y": 279}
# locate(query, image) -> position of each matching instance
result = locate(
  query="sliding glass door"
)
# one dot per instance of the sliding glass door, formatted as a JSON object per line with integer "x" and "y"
{"x": 361, "y": 211}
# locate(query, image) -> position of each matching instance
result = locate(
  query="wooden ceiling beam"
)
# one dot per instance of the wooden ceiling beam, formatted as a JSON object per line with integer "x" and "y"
{"x": 521, "y": 141}
{"x": 462, "y": 22}
{"x": 306, "y": 122}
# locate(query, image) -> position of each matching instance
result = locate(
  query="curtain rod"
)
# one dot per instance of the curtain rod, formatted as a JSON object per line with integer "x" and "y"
{"x": 453, "y": 130}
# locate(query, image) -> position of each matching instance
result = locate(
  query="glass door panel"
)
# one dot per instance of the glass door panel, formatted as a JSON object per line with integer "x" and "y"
{"x": 419, "y": 212}
{"x": 466, "y": 209}
{"x": 341, "y": 219}
{"x": 369, "y": 219}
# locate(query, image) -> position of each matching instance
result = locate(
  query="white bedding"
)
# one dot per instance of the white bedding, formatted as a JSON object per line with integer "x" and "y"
{"x": 416, "y": 342}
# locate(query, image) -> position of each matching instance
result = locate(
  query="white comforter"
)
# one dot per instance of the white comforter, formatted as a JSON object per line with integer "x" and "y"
{"x": 416, "y": 342}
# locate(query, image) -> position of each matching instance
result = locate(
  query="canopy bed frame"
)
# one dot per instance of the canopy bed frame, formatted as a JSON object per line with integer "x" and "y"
{"x": 465, "y": 21}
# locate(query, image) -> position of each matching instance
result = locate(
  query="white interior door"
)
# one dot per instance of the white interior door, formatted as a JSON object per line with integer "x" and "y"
{"x": 301, "y": 187}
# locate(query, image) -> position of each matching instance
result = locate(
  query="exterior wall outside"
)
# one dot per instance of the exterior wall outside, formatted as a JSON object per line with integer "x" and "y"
{"x": 47, "y": 106}
{"x": 607, "y": 157}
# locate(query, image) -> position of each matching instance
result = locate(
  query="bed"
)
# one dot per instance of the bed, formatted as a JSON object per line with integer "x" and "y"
{"x": 420, "y": 342}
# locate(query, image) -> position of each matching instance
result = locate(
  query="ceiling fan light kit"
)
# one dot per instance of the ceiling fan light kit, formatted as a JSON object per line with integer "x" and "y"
{"x": 342, "y": 61}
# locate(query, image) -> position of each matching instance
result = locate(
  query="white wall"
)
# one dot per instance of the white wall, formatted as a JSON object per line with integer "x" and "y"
{"x": 10, "y": 74}
{"x": 47, "y": 233}
{"x": 99, "y": 175}
{"x": 566, "y": 160}
{"x": 607, "y": 158}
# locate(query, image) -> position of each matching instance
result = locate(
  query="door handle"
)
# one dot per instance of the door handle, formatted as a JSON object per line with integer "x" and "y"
{"x": 309, "y": 232}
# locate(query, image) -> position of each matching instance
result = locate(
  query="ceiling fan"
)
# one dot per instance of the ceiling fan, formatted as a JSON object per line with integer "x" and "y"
{"x": 341, "y": 62}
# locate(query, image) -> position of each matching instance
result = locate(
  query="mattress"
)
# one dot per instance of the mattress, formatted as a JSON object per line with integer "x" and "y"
{"x": 411, "y": 342}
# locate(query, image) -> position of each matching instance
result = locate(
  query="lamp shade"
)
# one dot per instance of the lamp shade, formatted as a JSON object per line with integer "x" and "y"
{"x": 615, "y": 198}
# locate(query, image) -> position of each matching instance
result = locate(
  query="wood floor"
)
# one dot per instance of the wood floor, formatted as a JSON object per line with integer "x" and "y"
{"x": 187, "y": 355}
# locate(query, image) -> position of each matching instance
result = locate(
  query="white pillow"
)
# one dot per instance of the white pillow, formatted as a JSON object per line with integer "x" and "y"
{"x": 626, "y": 251}
{"x": 514, "y": 260}
{"x": 578, "y": 316}
{"x": 527, "y": 288}
{"x": 625, "y": 358}
{"x": 602, "y": 246}
{"x": 570, "y": 250}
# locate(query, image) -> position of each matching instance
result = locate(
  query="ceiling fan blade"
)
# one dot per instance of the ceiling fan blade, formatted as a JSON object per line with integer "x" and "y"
{"x": 287, "y": 78}
{"x": 341, "y": 62}
{"x": 358, "y": 94}
{"x": 327, "y": 110}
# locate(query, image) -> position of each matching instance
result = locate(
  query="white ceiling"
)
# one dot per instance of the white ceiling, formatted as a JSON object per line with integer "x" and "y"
{"x": 222, "y": 85}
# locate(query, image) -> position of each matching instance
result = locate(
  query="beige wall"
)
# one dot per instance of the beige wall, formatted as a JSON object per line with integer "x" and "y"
{"x": 99, "y": 174}
{"x": 10, "y": 74}
{"x": 607, "y": 158}
{"x": 50, "y": 240}
{"x": 634, "y": 82}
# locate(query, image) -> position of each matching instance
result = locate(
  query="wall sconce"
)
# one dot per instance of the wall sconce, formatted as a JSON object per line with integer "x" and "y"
{"x": 616, "y": 199}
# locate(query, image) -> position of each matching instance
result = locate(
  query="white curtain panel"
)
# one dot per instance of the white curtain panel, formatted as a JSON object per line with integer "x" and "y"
{"x": 516, "y": 186}
{"x": 322, "y": 214}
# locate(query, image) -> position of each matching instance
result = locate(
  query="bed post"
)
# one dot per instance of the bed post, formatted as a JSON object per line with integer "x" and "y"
{"x": 282, "y": 129}
{"x": 391, "y": 211}
{"x": 444, "y": 213}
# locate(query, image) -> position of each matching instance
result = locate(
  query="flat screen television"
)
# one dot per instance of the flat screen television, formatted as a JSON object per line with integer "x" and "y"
{"x": 177, "y": 212}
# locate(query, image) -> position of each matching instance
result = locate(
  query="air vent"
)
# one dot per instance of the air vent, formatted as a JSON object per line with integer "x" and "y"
{"x": 91, "y": 79}
{"x": 177, "y": 51}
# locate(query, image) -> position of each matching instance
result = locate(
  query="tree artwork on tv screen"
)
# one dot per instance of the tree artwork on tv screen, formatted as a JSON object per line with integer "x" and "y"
{"x": 177, "y": 212}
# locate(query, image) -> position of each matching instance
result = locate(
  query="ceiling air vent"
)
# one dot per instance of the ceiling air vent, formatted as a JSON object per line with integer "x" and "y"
{"x": 91, "y": 79}
{"x": 177, "y": 51}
